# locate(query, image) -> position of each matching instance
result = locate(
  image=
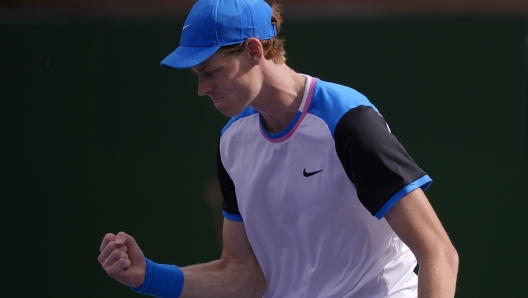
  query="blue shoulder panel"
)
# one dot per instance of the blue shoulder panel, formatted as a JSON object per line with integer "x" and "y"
{"x": 247, "y": 112}
{"x": 331, "y": 101}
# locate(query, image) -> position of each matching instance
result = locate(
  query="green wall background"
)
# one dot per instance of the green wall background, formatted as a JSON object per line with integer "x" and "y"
{"x": 96, "y": 137}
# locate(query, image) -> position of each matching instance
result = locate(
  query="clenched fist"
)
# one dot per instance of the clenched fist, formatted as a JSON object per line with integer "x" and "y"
{"x": 122, "y": 259}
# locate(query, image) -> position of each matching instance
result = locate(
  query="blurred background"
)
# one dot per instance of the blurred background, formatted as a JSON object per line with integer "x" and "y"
{"x": 96, "y": 137}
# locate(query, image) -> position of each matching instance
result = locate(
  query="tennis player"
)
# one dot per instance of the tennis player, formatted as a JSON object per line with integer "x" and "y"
{"x": 320, "y": 198}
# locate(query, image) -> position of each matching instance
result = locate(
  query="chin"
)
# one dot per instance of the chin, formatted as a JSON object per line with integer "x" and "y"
{"x": 226, "y": 111}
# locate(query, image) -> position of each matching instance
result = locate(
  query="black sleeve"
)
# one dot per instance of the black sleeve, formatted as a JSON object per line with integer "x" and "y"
{"x": 227, "y": 187}
{"x": 372, "y": 157}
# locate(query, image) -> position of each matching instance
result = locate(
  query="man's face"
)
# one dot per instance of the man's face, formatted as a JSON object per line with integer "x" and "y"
{"x": 229, "y": 80}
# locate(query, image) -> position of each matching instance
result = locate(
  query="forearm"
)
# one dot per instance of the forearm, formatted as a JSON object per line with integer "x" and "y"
{"x": 437, "y": 275}
{"x": 222, "y": 278}
{"x": 236, "y": 274}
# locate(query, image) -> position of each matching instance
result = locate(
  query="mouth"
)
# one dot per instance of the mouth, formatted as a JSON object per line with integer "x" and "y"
{"x": 218, "y": 98}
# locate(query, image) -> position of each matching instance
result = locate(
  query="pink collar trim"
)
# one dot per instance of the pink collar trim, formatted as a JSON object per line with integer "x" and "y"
{"x": 303, "y": 109}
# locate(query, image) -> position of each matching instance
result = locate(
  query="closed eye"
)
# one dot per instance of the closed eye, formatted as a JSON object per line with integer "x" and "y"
{"x": 213, "y": 72}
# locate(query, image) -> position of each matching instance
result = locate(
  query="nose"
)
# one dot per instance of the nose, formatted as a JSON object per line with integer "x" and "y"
{"x": 204, "y": 87}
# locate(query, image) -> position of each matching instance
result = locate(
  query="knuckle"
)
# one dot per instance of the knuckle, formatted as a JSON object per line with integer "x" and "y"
{"x": 122, "y": 262}
{"x": 114, "y": 270}
{"x": 110, "y": 272}
{"x": 119, "y": 254}
{"x": 114, "y": 253}
{"x": 110, "y": 246}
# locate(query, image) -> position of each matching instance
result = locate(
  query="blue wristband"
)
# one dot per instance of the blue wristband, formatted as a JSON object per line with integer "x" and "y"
{"x": 161, "y": 280}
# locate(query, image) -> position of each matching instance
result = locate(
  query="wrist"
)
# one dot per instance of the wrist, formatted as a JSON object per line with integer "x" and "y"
{"x": 161, "y": 280}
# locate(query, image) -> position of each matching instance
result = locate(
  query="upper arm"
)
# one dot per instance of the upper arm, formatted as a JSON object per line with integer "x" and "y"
{"x": 235, "y": 274}
{"x": 236, "y": 244}
{"x": 375, "y": 161}
{"x": 227, "y": 187}
{"x": 417, "y": 225}
{"x": 237, "y": 254}
{"x": 239, "y": 258}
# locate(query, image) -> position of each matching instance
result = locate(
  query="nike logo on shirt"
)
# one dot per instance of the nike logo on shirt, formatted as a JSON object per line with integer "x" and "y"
{"x": 308, "y": 174}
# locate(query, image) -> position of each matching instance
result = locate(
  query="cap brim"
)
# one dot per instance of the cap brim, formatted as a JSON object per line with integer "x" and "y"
{"x": 187, "y": 57}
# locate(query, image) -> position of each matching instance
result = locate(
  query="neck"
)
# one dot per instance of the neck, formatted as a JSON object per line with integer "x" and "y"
{"x": 280, "y": 98}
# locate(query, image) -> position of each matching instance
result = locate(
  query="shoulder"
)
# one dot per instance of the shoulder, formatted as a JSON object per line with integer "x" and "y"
{"x": 331, "y": 102}
{"x": 249, "y": 111}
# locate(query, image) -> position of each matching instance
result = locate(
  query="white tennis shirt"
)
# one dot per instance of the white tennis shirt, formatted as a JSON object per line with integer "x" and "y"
{"x": 312, "y": 197}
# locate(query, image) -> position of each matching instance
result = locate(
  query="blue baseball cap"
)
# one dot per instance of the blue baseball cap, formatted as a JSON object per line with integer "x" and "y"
{"x": 212, "y": 24}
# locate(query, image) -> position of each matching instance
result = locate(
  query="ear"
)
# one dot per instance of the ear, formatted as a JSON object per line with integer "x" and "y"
{"x": 255, "y": 50}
